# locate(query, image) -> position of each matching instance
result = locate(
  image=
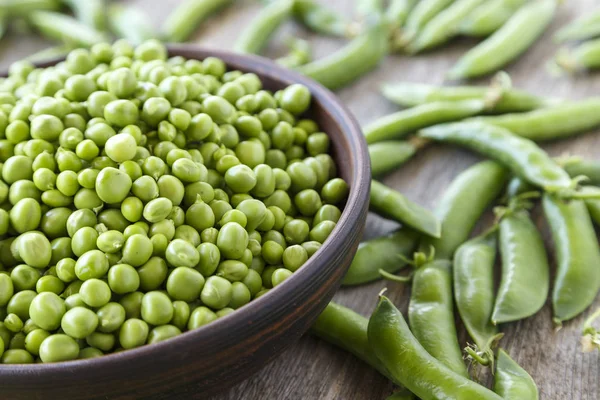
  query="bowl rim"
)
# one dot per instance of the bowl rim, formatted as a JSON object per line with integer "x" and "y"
{"x": 358, "y": 196}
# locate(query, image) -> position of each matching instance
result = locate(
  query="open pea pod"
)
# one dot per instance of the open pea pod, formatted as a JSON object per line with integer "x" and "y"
{"x": 512, "y": 381}
{"x": 392, "y": 204}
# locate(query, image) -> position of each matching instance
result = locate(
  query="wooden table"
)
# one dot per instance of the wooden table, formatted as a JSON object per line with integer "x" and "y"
{"x": 313, "y": 369}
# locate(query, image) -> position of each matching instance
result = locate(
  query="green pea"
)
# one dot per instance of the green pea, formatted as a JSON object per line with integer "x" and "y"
{"x": 123, "y": 278}
{"x": 154, "y": 110}
{"x": 89, "y": 352}
{"x": 251, "y": 152}
{"x": 267, "y": 276}
{"x": 65, "y": 270}
{"x": 110, "y": 241}
{"x": 216, "y": 293}
{"x": 232, "y": 270}
{"x": 34, "y": 249}
{"x": 121, "y": 83}
{"x": 46, "y": 310}
{"x": 201, "y": 316}
{"x": 272, "y": 252}
{"x": 202, "y": 189}
{"x": 49, "y": 283}
{"x": 157, "y": 210}
{"x": 24, "y": 277}
{"x": 61, "y": 249}
{"x": 321, "y": 231}
{"x": 173, "y": 89}
{"x": 219, "y": 109}
{"x": 137, "y": 250}
{"x": 113, "y": 185}
{"x": 240, "y": 179}
{"x": 16, "y": 356}
{"x": 87, "y": 199}
{"x": 280, "y": 199}
{"x": 79, "y": 322}
{"x": 154, "y": 167}
{"x": 90, "y": 265}
{"x": 121, "y": 147}
{"x": 152, "y": 274}
{"x": 200, "y": 216}
{"x": 99, "y": 133}
{"x": 280, "y": 275}
{"x": 6, "y": 289}
{"x": 157, "y": 308}
{"x": 80, "y": 218}
{"x": 163, "y": 332}
{"x": 95, "y": 293}
{"x": 102, "y": 341}
{"x": 110, "y": 317}
{"x": 308, "y": 202}
{"x": 34, "y": 339}
{"x": 133, "y": 333}
{"x": 84, "y": 240}
{"x": 97, "y": 101}
{"x": 296, "y": 231}
{"x": 185, "y": 284}
{"x": 181, "y": 314}
{"x": 180, "y": 253}
{"x": 16, "y": 168}
{"x": 171, "y": 188}
{"x": 232, "y": 240}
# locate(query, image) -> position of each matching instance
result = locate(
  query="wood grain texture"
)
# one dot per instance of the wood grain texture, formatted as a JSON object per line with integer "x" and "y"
{"x": 312, "y": 369}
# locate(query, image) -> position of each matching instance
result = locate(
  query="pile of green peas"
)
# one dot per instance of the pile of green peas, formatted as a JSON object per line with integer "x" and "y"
{"x": 142, "y": 196}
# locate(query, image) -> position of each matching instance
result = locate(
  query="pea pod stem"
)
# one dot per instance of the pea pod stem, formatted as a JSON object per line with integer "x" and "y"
{"x": 513, "y": 151}
{"x": 380, "y": 253}
{"x": 507, "y": 43}
{"x": 256, "y": 35}
{"x": 65, "y": 28}
{"x": 130, "y": 23}
{"x": 357, "y": 58}
{"x": 585, "y": 27}
{"x": 489, "y": 17}
{"x": 443, "y": 26}
{"x": 590, "y": 339}
{"x": 512, "y": 381}
{"x": 407, "y": 361}
{"x": 577, "y": 280}
{"x": 401, "y": 123}
{"x": 90, "y": 12}
{"x": 185, "y": 18}
{"x": 390, "y": 203}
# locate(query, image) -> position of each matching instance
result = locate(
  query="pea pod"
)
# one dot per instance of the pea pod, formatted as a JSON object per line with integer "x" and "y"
{"x": 462, "y": 205}
{"x": 357, "y": 58}
{"x": 583, "y": 28}
{"x": 397, "y": 12}
{"x": 489, "y": 17}
{"x": 320, "y": 19}
{"x": 511, "y": 381}
{"x": 507, "y": 43}
{"x": 346, "y": 329}
{"x": 523, "y": 261}
{"x": 577, "y": 167}
{"x": 443, "y": 26}
{"x": 65, "y": 28}
{"x": 130, "y": 23}
{"x": 49, "y": 53}
{"x": 583, "y": 57}
{"x": 420, "y": 15}
{"x": 368, "y": 8}
{"x": 380, "y": 253}
{"x": 410, "y": 364}
{"x": 521, "y": 155}
{"x": 90, "y": 12}
{"x": 408, "y": 94}
{"x": 392, "y": 204}
{"x": 299, "y": 54}
{"x": 577, "y": 256}
{"x": 401, "y": 123}
{"x": 551, "y": 123}
{"x": 22, "y": 8}
{"x": 431, "y": 315}
{"x": 185, "y": 18}
{"x": 388, "y": 156}
{"x": 473, "y": 278}
{"x": 255, "y": 36}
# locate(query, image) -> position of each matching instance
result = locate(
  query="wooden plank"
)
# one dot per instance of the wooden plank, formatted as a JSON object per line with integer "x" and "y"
{"x": 312, "y": 369}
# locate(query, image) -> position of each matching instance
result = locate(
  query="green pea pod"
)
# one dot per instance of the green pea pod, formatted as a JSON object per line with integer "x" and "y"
{"x": 401, "y": 123}
{"x": 473, "y": 273}
{"x": 299, "y": 54}
{"x": 346, "y": 329}
{"x": 67, "y": 29}
{"x": 320, "y": 19}
{"x": 489, "y": 17}
{"x": 583, "y": 57}
{"x": 443, "y": 26}
{"x": 255, "y": 36}
{"x": 507, "y": 43}
{"x": 380, "y": 253}
{"x": 521, "y": 155}
{"x": 577, "y": 167}
{"x": 431, "y": 315}
{"x": 407, "y": 94}
{"x": 511, "y": 381}
{"x": 583, "y": 28}
{"x": 49, "y": 53}
{"x": 392, "y": 204}
{"x": 420, "y": 15}
{"x": 593, "y": 207}
{"x": 22, "y": 8}
{"x": 463, "y": 203}
{"x": 130, "y": 23}
{"x": 368, "y": 8}
{"x": 524, "y": 261}
{"x": 410, "y": 364}
{"x": 397, "y": 12}
{"x": 551, "y": 123}
{"x": 185, "y": 18}
{"x": 357, "y": 58}
{"x": 577, "y": 256}
{"x": 388, "y": 156}
{"x": 90, "y": 12}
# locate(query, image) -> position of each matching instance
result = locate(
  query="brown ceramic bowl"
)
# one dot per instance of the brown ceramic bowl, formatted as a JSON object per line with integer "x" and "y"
{"x": 214, "y": 358}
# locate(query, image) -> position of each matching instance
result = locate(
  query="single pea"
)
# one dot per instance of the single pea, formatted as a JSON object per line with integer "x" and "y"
{"x": 201, "y": 316}
{"x": 97, "y": 101}
{"x": 34, "y": 249}
{"x": 173, "y": 89}
{"x": 166, "y": 131}
{"x": 229, "y": 136}
{"x": 200, "y": 216}
{"x": 58, "y": 347}
{"x": 123, "y": 278}
{"x": 46, "y": 310}
{"x": 321, "y": 231}
{"x": 232, "y": 270}
{"x": 181, "y": 314}
{"x": 6, "y": 289}
{"x": 152, "y": 274}
{"x": 327, "y": 212}
{"x": 113, "y": 185}
{"x": 171, "y": 188}
{"x": 272, "y": 252}
{"x": 154, "y": 167}
{"x": 231, "y": 91}
{"x": 16, "y": 356}
{"x": 131, "y": 168}
{"x": 294, "y": 257}
{"x": 24, "y": 277}
{"x": 280, "y": 275}
{"x": 154, "y": 110}
{"x": 102, "y": 341}
{"x": 19, "y": 190}
{"x": 95, "y": 293}
{"x": 157, "y": 308}
{"x": 13, "y": 323}
{"x": 180, "y": 253}
{"x": 110, "y": 241}
{"x": 282, "y": 136}
{"x": 73, "y": 301}
{"x": 251, "y": 152}
{"x": 99, "y": 133}
{"x": 79, "y": 322}
{"x": 232, "y": 240}
{"x": 61, "y": 249}
{"x": 198, "y": 189}
{"x": 185, "y": 284}
{"x": 72, "y": 288}
{"x": 177, "y": 215}
{"x": 121, "y": 147}
{"x": 54, "y": 198}
{"x": 87, "y": 178}
{"x": 302, "y": 176}
{"x": 240, "y": 295}
{"x": 240, "y": 179}
{"x": 335, "y": 191}
{"x": 216, "y": 293}
{"x": 137, "y": 250}
{"x": 80, "y": 218}
{"x": 281, "y": 199}
{"x": 296, "y": 231}
{"x": 308, "y": 202}
{"x": 84, "y": 240}
{"x": 321, "y": 171}
{"x": 133, "y": 333}
{"x": 79, "y": 87}
{"x": 17, "y": 131}
{"x": 267, "y": 276}
{"x": 90, "y": 265}
{"x": 110, "y": 317}
{"x": 34, "y": 339}
{"x": 157, "y": 210}
{"x": 113, "y": 219}
{"x": 65, "y": 270}
{"x": 16, "y": 168}
{"x": 121, "y": 83}
{"x": 253, "y": 282}
{"x": 75, "y": 122}
{"x": 163, "y": 332}
{"x": 89, "y": 352}
{"x": 49, "y": 283}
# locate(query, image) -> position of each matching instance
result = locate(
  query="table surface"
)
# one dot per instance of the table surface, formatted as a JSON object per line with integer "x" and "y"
{"x": 313, "y": 369}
